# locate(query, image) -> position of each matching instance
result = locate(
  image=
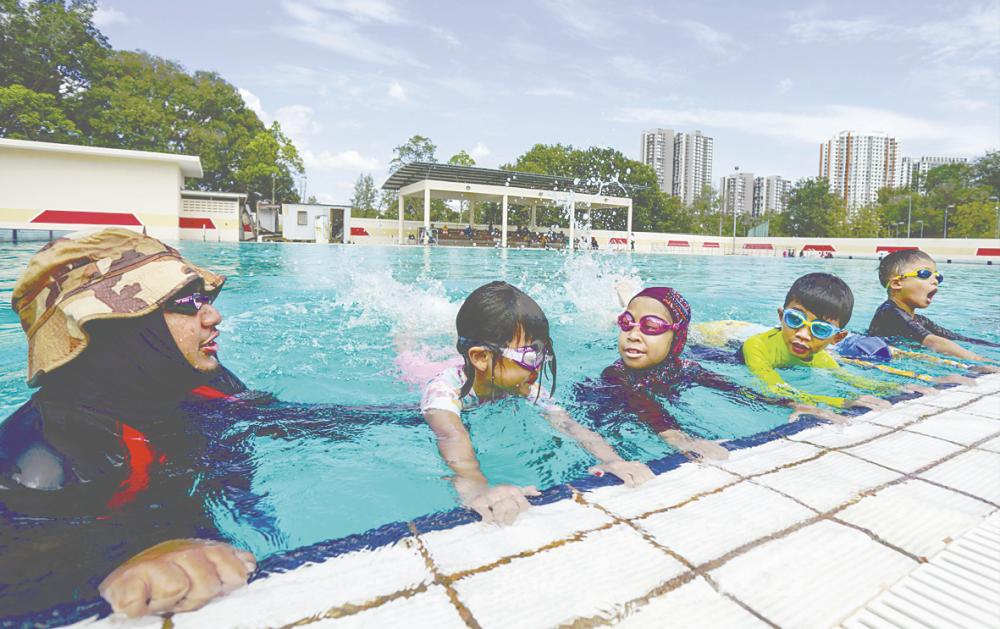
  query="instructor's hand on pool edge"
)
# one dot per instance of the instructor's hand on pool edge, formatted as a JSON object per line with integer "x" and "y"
{"x": 501, "y": 504}
{"x": 176, "y": 576}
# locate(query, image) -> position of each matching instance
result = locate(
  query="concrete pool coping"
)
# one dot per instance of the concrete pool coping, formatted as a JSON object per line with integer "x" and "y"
{"x": 802, "y": 526}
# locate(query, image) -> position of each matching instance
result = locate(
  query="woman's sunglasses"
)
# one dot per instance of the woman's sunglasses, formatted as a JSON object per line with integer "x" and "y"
{"x": 819, "y": 329}
{"x": 190, "y": 304}
{"x": 649, "y": 324}
{"x": 924, "y": 274}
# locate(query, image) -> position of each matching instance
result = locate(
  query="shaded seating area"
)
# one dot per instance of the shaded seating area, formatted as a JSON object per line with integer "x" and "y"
{"x": 473, "y": 186}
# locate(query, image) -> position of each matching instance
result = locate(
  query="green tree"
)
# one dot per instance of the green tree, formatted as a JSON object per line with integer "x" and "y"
{"x": 144, "y": 102}
{"x": 417, "y": 149}
{"x": 28, "y": 115}
{"x": 364, "y": 201}
{"x": 974, "y": 219}
{"x": 705, "y": 214}
{"x": 603, "y": 170}
{"x": 986, "y": 172}
{"x": 268, "y": 161}
{"x": 812, "y": 209}
{"x": 51, "y": 46}
{"x": 461, "y": 159}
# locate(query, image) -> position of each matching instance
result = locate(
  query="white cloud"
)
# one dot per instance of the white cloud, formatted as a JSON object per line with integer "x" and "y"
{"x": 785, "y": 85}
{"x": 297, "y": 121}
{"x": 480, "y": 151}
{"x": 584, "y": 19}
{"x": 345, "y": 160}
{"x": 712, "y": 40}
{"x": 105, "y": 16}
{"x": 364, "y": 10}
{"x": 396, "y": 92}
{"x": 817, "y": 126}
{"x": 325, "y": 26}
{"x": 820, "y": 30}
{"x": 551, "y": 91}
{"x": 252, "y": 102}
{"x": 446, "y": 36}
{"x": 466, "y": 87}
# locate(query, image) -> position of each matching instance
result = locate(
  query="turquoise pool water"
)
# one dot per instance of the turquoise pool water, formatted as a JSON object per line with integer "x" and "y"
{"x": 320, "y": 326}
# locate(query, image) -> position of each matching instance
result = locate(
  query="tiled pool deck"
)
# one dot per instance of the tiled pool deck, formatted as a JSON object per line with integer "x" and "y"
{"x": 806, "y": 526}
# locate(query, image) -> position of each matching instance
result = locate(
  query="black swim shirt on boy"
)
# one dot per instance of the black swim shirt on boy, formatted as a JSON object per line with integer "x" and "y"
{"x": 891, "y": 320}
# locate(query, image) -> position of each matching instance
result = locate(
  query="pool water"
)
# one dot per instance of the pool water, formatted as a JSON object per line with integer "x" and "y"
{"x": 320, "y": 327}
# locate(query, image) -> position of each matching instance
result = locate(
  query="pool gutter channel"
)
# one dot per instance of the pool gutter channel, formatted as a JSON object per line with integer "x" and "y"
{"x": 580, "y": 491}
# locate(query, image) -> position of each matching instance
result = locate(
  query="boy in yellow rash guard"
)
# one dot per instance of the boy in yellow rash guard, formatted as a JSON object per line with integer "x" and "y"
{"x": 817, "y": 307}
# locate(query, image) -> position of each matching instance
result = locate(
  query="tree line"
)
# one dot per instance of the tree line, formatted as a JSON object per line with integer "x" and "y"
{"x": 61, "y": 81}
{"x": 969, "y": 192}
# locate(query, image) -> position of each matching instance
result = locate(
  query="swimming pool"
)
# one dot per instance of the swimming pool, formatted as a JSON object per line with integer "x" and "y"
{"x": 318, "y": 324}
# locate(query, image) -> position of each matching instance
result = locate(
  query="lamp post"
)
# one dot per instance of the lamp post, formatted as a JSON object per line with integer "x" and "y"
{"x": 909, "y": 214}
{"x": 996, "y": 200}
{"x": 921, "y": 221}
{"x": 946, "y": 208}
{"x": 737, "y": 172}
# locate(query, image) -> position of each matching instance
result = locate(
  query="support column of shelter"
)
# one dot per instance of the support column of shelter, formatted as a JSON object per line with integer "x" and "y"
{"x": 472, "y": 212}
{"x": 503, "y": 228}
{"x": 572, "y": 225}
{"x": 401, "y": 203}
{"x": 628, "y": 224}
{"x": 427, "y": 214}
{"x": 534, "y": 215}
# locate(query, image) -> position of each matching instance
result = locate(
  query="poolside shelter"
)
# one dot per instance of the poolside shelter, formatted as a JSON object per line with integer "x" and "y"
{"x": 477, "y": 185}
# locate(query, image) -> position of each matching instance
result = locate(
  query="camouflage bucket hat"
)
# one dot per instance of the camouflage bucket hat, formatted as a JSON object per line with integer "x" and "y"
{"x": 113, "y": 273}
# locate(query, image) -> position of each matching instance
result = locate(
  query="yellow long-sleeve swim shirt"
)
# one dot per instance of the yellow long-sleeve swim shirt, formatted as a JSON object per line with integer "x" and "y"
{"x": 764, "y": 353}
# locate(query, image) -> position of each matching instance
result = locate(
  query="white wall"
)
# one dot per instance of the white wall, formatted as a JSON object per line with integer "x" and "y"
{"x": 221, "y": 218}
{"x": 384, "y": 231}
{"x": 34, "y": 181}
{"x": 291, "y": 230}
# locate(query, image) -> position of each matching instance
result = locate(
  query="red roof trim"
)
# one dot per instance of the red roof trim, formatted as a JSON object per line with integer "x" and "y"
{"x": 818, "y": 248}
{"x": 678, "y": 243}
{"x": 893, "y": 248}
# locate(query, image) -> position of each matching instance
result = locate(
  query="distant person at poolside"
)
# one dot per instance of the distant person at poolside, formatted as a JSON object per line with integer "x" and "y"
{"x": 631, "y": 240}
{"x": 650, "y": 372}
{"x": 911, "y": 281}
{"x": 816, "y": 311}
{"x": 97, "y": 469}
{"x": 593, "y": 243}
{"x": 504, "y": 342}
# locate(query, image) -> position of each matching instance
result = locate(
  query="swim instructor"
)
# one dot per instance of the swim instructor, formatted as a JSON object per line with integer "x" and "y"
{"x": 99, "y": 469}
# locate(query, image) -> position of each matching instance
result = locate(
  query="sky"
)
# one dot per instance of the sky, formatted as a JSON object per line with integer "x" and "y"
{"x": 349, "y": 80}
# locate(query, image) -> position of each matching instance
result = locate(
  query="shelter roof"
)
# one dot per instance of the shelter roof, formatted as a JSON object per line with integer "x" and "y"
{"x": 420, "y": 171}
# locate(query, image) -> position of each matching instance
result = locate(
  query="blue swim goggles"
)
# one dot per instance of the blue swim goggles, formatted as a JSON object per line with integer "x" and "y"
{"x": 820, "y": 330}
{"x": 924, "y": 274}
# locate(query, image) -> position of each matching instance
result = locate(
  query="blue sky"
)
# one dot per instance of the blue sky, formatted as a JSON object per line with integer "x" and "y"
{"x": 769, "y": 81}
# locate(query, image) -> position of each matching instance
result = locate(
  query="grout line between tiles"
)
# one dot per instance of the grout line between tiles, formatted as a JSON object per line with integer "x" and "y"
{"x": 464, "y": 612}
{"x": 350, "y": 609}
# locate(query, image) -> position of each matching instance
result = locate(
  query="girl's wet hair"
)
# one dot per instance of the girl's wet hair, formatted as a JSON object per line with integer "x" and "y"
{"x": 491, "y": 317}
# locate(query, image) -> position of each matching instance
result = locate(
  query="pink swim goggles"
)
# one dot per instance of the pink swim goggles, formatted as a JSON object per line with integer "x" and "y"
{"x": 649, "y": 324}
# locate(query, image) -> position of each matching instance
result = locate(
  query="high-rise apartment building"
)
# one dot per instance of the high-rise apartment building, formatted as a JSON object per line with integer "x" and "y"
{"x": 857, "y": 165}
{"x": 736, "y": 193}
{"x": 658, "y": 152}
{"x": 770, "y": 194}
{"x": 682, "y": 161}
{"x": 911, "y": 167}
